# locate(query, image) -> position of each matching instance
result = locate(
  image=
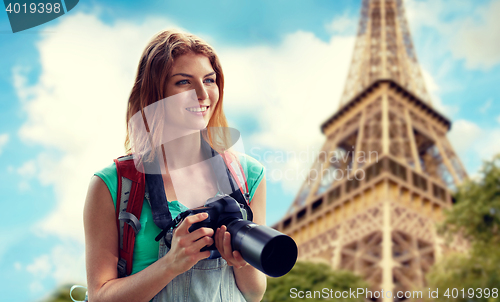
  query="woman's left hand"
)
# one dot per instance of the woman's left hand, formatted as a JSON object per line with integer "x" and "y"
{"x": 223, "y": 244}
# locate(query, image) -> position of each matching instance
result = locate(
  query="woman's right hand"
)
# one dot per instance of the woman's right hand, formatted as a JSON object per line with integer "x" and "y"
{"x": 185, "y": 249}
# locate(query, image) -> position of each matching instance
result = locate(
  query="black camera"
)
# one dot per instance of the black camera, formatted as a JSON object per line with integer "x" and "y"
{"x": 266, "y": 249}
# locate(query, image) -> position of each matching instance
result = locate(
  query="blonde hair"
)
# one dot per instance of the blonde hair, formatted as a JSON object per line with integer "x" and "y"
{"x": 152, "y": 75}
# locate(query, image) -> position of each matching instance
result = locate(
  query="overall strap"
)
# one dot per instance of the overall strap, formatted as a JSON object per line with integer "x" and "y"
{"x": 131, "y": 192}
{"x": 231, "y": 178}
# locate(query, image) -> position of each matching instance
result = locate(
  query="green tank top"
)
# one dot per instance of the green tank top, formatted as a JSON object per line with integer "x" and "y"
{"x": 146, "y": 248}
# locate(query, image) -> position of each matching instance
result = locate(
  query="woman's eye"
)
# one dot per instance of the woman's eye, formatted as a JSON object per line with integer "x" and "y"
{"x": 182, "y": 82}
{"x": 209, "y": 80}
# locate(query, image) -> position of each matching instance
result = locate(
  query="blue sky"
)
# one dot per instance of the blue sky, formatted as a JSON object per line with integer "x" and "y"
{"x": 64, "y": 86}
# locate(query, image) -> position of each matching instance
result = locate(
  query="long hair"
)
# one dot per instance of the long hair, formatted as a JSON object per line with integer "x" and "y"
{"x": 152, "y": 75}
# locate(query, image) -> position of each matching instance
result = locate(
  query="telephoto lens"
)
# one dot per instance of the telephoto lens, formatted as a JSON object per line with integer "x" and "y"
{"x": 266, "y": 249}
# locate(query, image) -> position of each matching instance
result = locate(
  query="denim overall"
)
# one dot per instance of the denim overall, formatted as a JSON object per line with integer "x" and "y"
{"x": 209, "y": 280}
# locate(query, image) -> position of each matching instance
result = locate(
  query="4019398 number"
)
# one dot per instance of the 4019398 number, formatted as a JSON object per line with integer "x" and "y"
{"x": 471, "y": 293}
{"x": 33, "y": 8}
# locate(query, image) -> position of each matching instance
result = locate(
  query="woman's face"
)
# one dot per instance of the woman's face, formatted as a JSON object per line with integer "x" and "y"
{"x": 192, "y": 92}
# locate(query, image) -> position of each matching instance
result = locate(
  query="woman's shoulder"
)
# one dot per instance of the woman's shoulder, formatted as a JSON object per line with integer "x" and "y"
{"x": 108, "y": 170}
{"x": 254, "y": 172}
{"x": 107, "y": 173}
{"x": 251, "y": 166}
{"x": 110, "y": 178}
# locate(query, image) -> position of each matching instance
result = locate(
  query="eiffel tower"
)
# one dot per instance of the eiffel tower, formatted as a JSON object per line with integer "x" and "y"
{"x": 386, "y": 171}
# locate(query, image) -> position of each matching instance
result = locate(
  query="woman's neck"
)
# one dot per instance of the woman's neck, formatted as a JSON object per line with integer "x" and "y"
{"x": 182, "y": 151}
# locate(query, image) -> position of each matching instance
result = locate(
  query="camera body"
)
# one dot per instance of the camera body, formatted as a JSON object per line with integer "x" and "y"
{"x": 221, "y": 210}
{"x": 266, "y": 249}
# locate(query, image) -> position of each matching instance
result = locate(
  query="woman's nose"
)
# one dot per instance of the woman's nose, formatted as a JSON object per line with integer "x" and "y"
{"x": 201, "y": 92}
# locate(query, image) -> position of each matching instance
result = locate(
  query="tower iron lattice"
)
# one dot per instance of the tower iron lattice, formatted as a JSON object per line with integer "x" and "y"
{"x": 386, "y": 170}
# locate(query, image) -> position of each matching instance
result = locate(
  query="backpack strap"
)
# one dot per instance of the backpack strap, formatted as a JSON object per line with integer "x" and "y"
{"x": 236, "y": 170}
{"x": 131, "y": 192}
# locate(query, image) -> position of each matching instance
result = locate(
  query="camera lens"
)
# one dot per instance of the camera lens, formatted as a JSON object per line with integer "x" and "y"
{"x": 266, "y": 249}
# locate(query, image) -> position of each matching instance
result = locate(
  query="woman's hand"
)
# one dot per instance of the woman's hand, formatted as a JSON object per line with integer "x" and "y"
{"x": 186, "y": 246}
{"x": 223, "y": 244}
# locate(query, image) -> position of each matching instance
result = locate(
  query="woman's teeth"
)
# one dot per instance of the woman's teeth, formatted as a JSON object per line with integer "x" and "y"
{"x": 197, "y": 109}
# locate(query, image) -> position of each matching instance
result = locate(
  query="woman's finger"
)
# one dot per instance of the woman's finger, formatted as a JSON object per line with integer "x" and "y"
{"x": 183, "y": 228}
{"x": 228, "y": 249}
{"x": 237, "y": 256}
{"x": 222, "y": 244}
{"x": 201, "y": 243}
{"x": 199, "y": 233}
{"x": 218, "y": 239}
{"x": 239, "y": 259}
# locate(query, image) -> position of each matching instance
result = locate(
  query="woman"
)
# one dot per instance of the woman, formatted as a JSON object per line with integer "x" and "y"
{"x": 185, "y": 71}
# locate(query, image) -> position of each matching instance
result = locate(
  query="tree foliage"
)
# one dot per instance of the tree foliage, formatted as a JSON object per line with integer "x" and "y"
{"x": 61, "y": 294}
{"x": 476, "y": 214}
{"x": 307, "y": 276}
{"x": 476, "y": 217}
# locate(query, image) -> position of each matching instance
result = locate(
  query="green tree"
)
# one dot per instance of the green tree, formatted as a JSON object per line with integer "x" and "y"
{"x": 61, "y": 294}
{"x": 475, "y": 217}
{"x": 307, "y": 276}
{"x": 476, "y": 214}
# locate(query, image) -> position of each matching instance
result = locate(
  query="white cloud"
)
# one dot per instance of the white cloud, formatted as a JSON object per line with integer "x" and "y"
{"x": 64, "y": 264}
{"x": 24, "y": 186}
{"x": 498, "y": 119}
{"x": 4, "y": 139}
{"x": 11, "y": 236}
{"x": 423, "y": 13}
{"x": 486, "y": 106}
{"x": 18, "y": 266}
{"x": 469, "y": 31}
{"x": 478, "y": 37}
{"x": 68, "y": 260}
{"x": 28, "y": 169}
{"x": 78, "y": 107}
{"x": 463, "y": 135}
{"x": 290, "y": 89}
{"x": 489, "y": 145}
{"x": 433, "y": 90}
{"x": 469, "y": 139}
{"x": 343, "y": 25}
{"x": 41, "y": 267}
{"x": 37, "y": 287}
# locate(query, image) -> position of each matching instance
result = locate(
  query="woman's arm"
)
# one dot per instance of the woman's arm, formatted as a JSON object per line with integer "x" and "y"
{"x": 251, "y": 282}
{"x": 101, "y": 248}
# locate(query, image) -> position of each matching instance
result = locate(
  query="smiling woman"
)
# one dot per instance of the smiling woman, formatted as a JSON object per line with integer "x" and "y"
{"x": 176, "y": 101}
{"x": 192, "y": 72}
{"x": 167, "y": 68}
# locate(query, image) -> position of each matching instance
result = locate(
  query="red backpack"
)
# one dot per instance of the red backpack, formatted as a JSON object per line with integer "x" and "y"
{"x": 130, "y": 198}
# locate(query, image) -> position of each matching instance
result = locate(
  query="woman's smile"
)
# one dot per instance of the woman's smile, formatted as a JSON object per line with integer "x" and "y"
{"x": 201, "y": 110}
